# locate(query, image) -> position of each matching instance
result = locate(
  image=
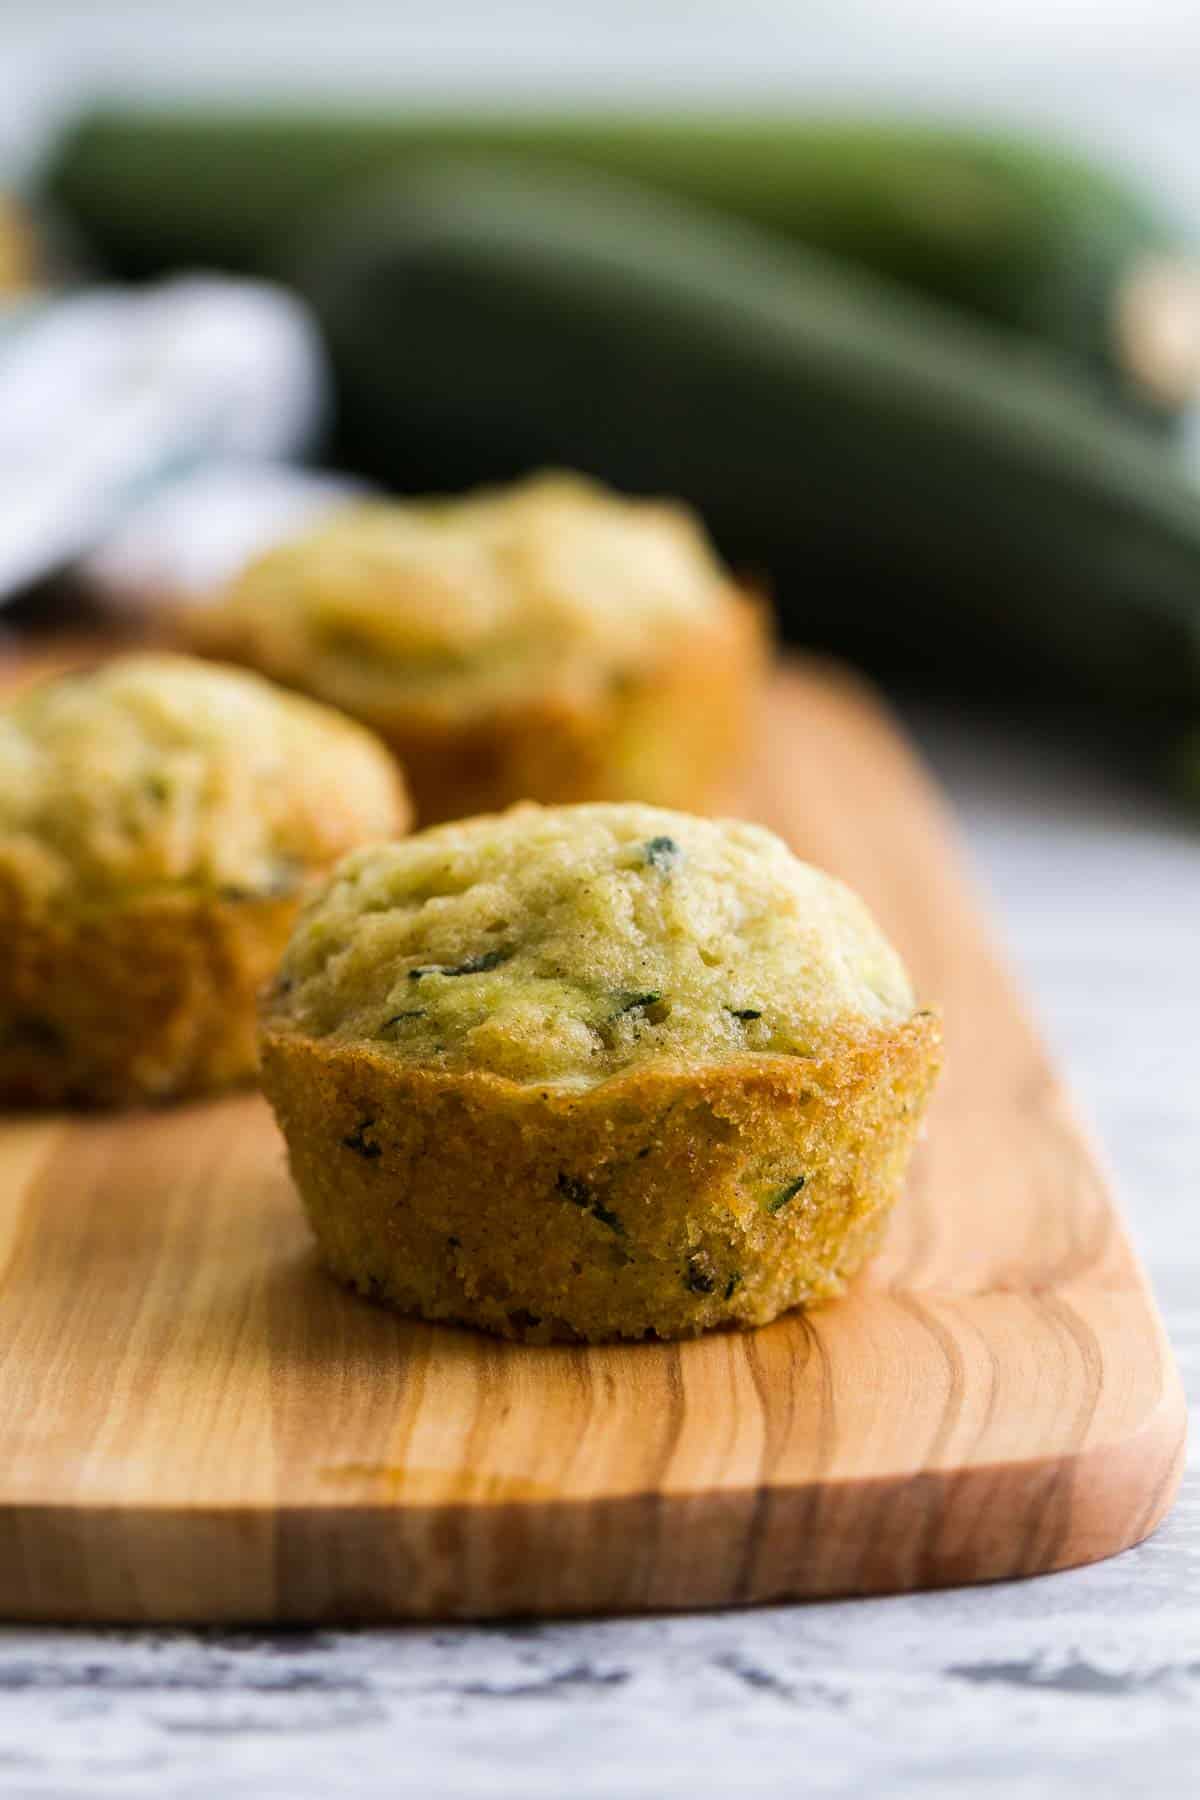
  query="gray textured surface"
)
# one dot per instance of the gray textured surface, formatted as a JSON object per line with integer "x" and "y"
{"x": 1083, "y": 1683}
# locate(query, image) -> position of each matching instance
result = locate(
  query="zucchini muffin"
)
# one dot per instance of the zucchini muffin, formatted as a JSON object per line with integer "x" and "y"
{"x": 550, "y": 641}
{"x": 593, "y": 1072}
{"x": 159, "y": 821}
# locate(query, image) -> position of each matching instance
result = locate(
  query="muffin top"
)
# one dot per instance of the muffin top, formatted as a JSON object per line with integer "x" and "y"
{"x": 563, "y": 944}
{"x": 463, "y": 605}
{"x": 156, "y": 772}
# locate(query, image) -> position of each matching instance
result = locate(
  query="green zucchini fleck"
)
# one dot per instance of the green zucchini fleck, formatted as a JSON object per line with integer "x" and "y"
{"x": 779, "y": 1200}
{"x": 574, "y": 1190}
{"x": 662, "y": 853}
{"x": 627, "y": 1003}
{"x": 360, "y": 1144}
{"x": 414, "y": 1012}
{"x": 606, "y": 1216}
{"x": 580, "y": 1195}
{"x": 744, "y": 1013}
{"x": 697, "y": 1279}
{"x": 473, "y": 965}
{"x": 733, "y": 1284}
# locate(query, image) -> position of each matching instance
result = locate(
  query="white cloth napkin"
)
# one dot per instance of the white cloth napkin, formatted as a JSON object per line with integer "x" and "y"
{"x": 110, "y": 397}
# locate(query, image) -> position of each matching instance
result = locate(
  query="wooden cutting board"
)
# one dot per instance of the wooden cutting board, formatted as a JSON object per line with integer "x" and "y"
{"x": 197, "y": 1424}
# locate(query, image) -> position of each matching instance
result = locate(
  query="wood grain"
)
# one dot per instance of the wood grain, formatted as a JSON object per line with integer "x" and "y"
{"x": 196, "y": 1424}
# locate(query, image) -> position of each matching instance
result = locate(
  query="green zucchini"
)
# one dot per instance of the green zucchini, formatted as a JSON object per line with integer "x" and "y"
{"x": 1021, "y": 233}
{"x": 921, "y": 491}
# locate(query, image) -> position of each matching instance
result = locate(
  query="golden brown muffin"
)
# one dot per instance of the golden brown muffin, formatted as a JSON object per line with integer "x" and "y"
{"x": 550, "y": 641}
{"x": 594, "y": 1072}
{"x": 160, "y": 819}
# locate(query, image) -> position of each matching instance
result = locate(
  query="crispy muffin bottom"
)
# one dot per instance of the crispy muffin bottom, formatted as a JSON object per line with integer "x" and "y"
{"x": 143, "y": 999}
{"x": 673, "y": 734}
{"x": 661, "y": 1202}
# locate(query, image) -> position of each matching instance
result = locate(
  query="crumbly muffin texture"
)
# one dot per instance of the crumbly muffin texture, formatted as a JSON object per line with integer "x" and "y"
{"x": 159, "y": 821}
{"x": 595, "y": 1071}
{"x": 663, "y": 1202}
{"x": 461, "y": 606}
{"x": 548, "y": 641}
{"x": 566, "y": 944}
{"x": 158, "y": 772}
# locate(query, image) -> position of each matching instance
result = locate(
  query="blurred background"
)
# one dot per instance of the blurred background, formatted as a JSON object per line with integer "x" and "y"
{"x": 1119, "y": 75}
{"x": 972, "y": 255}
{"x": 1126, "y": 73}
